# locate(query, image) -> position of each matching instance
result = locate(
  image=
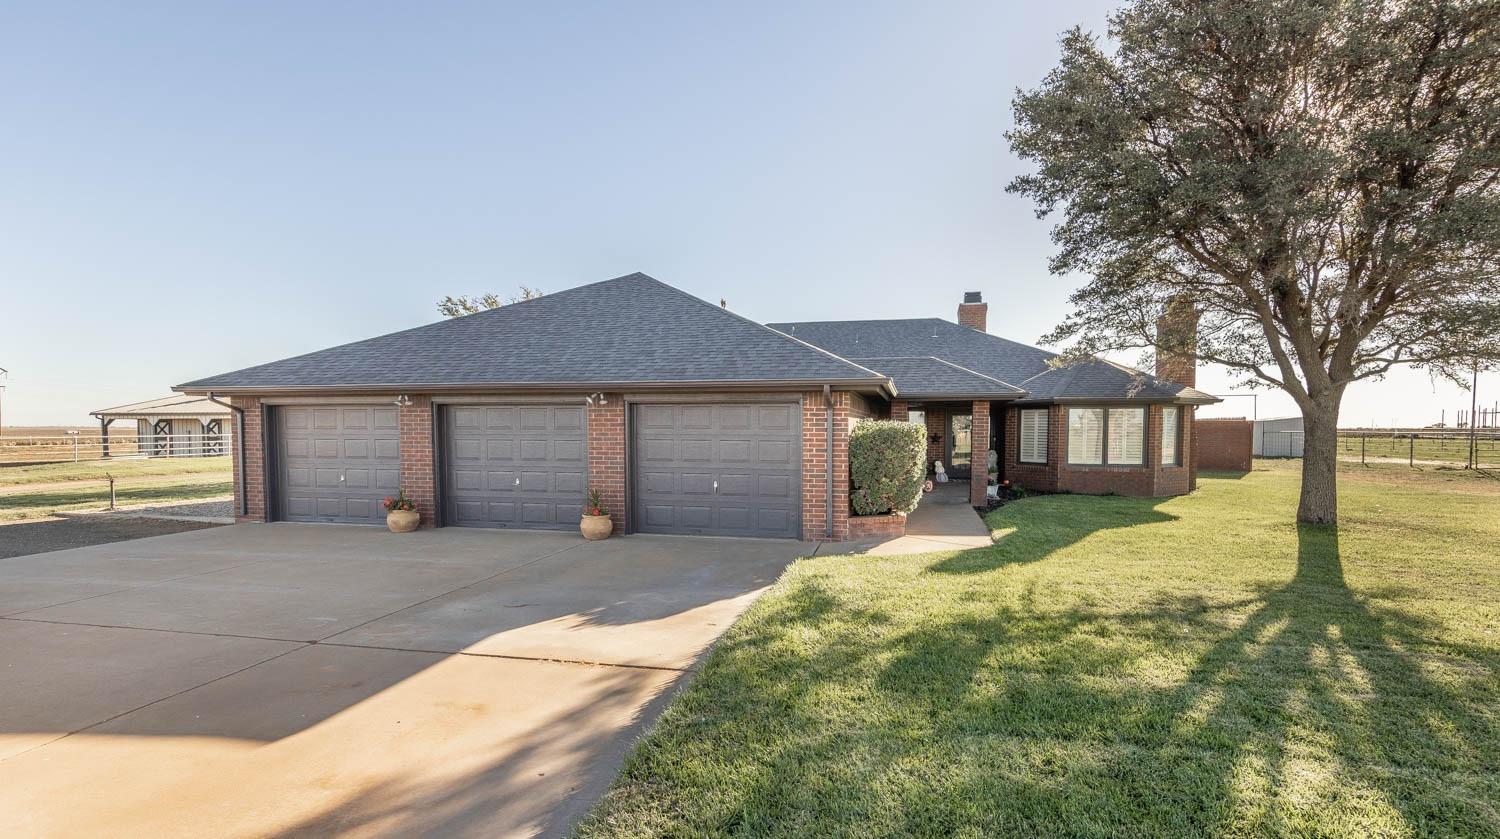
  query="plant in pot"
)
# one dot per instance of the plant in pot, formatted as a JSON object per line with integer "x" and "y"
{"x": 401, "y": 514}
{"x": 595, "y": 524}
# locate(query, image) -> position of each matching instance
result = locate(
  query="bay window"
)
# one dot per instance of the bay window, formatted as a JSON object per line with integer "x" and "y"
{"x": 1170, "y": 425}
{"x": 1107, "y": 436}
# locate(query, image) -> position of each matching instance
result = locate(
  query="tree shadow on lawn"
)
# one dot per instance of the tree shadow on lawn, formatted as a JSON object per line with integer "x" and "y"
{"x": 1314, "y": 713}
{"x": 1025, "y": 538}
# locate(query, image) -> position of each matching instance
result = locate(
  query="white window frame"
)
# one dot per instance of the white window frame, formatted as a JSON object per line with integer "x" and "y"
{"x": 1039, "y": 415}
{"x": 1104, "y": 452}
{"x": 1176, "y": 435}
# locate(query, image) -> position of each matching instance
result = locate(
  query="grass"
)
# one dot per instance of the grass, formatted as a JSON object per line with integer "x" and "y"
{"x": 1111, "y": 667}
{"x": 39, "y": 491}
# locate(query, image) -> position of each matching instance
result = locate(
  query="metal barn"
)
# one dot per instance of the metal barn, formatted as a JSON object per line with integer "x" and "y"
{"x": 172, "y": 426}
{"x": 1278, "y": 437}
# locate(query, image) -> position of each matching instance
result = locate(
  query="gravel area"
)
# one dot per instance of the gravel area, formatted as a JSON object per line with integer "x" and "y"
{"x": 221, "y": 509}
{"x": 56, "y": 534}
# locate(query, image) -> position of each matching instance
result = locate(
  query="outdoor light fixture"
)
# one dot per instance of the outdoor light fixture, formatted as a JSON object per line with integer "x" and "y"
{"x": 596, "y": 399}
{"x": 403, "y": 400}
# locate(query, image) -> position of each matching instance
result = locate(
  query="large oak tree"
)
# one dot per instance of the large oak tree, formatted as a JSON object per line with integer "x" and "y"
{"x": 1318, "y": 178}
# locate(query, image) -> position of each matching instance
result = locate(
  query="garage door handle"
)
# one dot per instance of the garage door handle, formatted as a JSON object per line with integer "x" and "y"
{"x": 518, "y": 481}
{"x": 716, "y": 487}
{"x": 341, "y": 477}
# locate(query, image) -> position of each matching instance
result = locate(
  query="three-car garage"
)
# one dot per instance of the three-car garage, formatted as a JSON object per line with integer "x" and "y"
{"x": 705, "y": 468}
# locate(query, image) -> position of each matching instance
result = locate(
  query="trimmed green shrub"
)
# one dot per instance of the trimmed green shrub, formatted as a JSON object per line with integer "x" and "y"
{"x": 887, "y": 466}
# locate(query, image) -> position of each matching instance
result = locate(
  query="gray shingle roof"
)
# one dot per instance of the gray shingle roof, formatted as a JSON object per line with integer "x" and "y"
{"x": 1026, "y": 367}
{"x": 1099, "y": 379}
{"x": 929, "y": 378}
{"x": 630, "y": 330}
{"x": 981, "y": 352}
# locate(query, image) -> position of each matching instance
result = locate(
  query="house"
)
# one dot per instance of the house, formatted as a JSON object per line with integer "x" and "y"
{"x": 687, "y": 417}
{"x": 170, "y": 426}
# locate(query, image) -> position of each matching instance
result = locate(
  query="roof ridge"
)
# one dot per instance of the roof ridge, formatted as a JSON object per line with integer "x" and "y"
{"x": 939, "y": 360}
{"x": 760, "y": 325}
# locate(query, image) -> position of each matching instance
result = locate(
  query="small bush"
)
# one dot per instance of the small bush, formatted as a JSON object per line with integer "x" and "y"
{"x": 887, "y": 465}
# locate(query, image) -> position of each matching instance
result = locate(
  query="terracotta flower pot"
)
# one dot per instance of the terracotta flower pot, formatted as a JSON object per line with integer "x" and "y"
{"x": 402, "y": 521}
{"x": 595, "y": 528}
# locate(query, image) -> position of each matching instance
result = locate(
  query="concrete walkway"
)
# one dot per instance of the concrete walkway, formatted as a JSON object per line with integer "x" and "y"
{"x": 944, "y": 521}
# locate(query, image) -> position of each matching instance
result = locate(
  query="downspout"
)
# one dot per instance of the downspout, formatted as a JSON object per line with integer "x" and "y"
{"x": 239, "y": 448}
{"x": 828, "y": 456}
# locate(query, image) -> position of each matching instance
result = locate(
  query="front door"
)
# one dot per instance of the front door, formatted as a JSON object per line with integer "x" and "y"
{"x": 960, "y": 444}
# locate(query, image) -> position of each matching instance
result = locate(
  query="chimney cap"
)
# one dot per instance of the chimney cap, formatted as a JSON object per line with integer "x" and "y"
{"x": 972, "y": 297}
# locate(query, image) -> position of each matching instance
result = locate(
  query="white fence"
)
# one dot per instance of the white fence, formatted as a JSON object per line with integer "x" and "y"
{"x": 92, "y": 446}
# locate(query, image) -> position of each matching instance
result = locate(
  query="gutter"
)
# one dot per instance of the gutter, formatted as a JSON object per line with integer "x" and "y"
{"x": 828, "y": 458}
{"x": 865, "y": 385}
{"x": 239, "y": 448}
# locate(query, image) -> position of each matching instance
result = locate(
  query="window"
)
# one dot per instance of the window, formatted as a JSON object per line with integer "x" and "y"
{"x": 1127, "y": 436}
{"x": 1169, "y": 436}
{"x": 1113, "y": 436}
{"x": 1033, "y": 436}
{"x": 1086, "y": 435}
{"x": 917, "y": 418}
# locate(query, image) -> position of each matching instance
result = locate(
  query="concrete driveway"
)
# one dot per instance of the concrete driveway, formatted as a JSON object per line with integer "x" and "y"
{"x": 279, "y": 680}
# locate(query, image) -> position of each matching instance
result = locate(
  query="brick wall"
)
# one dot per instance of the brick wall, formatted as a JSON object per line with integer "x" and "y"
{"x": 414, "y": 424}
{"x": 607, "y": 456}
{"x": 979, "y": 464}
{"x": 847, "y": 407}
{"x": 899, "y": 410}
{"x": 1037, "y": 476}
{"x": 937, "y": 427}
{"x": 1225, "y": 444}
{"x": 886, "y": 526}
{"x": 1152, "y": 478}
{"x": 255, "y": 461}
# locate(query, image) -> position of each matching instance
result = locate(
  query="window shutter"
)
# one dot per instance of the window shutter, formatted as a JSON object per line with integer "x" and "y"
{"x": 1033, "y": 436}
{"x": 1127, "y": 435}
{"x": 1169, "y": 436}
{"x": 1086, "y": 435}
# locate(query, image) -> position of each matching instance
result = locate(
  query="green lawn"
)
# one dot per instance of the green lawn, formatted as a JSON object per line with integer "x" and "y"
{"x": 38, "y": 491}
{"x": 1195, "y": 666}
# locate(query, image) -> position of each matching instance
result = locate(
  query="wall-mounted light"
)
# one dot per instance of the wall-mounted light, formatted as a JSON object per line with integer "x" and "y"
{"x": 596, "y": 399}
{"x": 403, "y": 400}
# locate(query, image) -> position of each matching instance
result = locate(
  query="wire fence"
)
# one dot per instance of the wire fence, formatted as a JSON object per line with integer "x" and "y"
{"x": 1421, "y": 446}
{"x": 93, "y": 446}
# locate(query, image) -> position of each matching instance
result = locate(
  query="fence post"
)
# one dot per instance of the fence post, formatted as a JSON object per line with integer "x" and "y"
{"x": 1411, "y": 450}
{"x": 1361, "y": 450}
{"x": 111, "y": 490}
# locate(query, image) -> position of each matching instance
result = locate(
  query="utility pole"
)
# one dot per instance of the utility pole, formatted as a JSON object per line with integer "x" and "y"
{"x": 3, "y": 373}
{"x": 1473, "y": 406}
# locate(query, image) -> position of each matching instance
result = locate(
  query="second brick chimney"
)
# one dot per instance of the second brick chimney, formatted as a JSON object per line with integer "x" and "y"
{"x": 973, "y": 312}
{"x": 1176, "y": 341}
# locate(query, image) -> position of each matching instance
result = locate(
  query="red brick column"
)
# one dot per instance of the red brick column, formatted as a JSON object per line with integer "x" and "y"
{"x": 815, "y": 459}
{"x": 254, "y": 464}
{"x": 979, "y": 437}
{"x": 899, "y": 410}
{"x": 417, "y": 480}
{"x": 607, "y": 456}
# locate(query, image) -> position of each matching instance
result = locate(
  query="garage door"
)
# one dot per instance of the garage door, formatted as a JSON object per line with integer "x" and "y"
{"x": 336, "y": 462}
{"x": 726, "y": 470}
{"x": 514, "y": 466}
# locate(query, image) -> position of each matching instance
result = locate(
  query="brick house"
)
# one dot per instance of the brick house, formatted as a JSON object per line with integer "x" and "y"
{"x": 688, "y": 418}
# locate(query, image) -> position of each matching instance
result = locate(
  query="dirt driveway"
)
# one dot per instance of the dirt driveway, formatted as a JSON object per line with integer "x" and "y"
{"x": 313, "y": 680}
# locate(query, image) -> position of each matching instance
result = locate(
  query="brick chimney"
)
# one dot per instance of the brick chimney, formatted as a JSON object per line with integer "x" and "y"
{"x": 973, "y": 312}
{"x": 1176, "y": 339}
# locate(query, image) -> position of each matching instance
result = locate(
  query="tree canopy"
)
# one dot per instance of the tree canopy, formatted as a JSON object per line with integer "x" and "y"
{"x": 1318, "y": 177}
{"x": 457, "y": 307}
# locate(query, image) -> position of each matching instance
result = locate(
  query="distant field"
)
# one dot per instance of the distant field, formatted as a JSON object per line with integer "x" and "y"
{"x": 1445, "y": 451}
{"x": 28, "y": 492}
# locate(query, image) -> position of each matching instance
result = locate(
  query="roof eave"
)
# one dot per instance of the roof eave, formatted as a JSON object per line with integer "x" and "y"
{"x": 936, "y": 397}
{"x": 883, "y": 386}
{"x": 1119, "y": 400}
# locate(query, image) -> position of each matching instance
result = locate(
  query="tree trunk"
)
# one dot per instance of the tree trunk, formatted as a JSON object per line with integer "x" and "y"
{"x": 1320, "y": 453}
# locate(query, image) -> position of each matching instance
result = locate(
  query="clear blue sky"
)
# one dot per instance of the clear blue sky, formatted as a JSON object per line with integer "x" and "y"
{"x": 198, "y": 187}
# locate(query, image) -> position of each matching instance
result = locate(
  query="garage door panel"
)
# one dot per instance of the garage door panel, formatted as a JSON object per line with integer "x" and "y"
{"x": 335, "y": 463}
{"x": 752, "y": 451}
{"x": 513, "y": 466}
